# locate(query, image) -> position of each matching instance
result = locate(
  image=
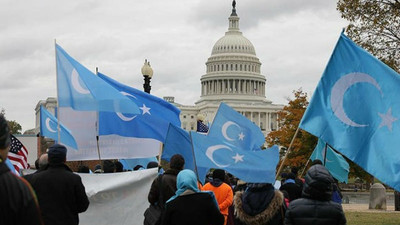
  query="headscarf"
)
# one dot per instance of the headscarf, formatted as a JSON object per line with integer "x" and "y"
{"x": 186, "y": 180}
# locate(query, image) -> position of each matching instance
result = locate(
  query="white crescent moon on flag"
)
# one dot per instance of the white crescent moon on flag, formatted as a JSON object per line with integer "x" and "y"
{"x": 224, "y": 129}
{"x": 210, "y": 152}
{"x": 75, "y": 83}
{"x": 339, "y": 90}
{"x": 120, "y": 115}
{"x": 48, "y": 126}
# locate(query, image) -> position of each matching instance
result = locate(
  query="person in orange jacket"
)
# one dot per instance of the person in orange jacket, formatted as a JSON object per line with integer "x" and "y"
{"x": 222, "y": 191}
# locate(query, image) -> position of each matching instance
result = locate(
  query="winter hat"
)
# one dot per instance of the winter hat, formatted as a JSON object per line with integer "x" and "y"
{"x": 108, "y": 166}
{"x": 219, "y": 174}
{"x": 4, "y": 133}
{"x": 57, "y": 153}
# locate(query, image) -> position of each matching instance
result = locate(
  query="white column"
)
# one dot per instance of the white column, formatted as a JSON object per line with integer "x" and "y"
{"x": 269, "y": 121}
{"x": 259, "y": 119}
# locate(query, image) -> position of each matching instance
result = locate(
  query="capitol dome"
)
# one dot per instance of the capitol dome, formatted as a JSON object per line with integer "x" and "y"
{"x": 233, "y": 70}
{"x": 233, "y": 42}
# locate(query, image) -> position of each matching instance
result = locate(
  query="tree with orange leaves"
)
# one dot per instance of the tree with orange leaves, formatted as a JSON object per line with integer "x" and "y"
{"x": 288, "y": 121}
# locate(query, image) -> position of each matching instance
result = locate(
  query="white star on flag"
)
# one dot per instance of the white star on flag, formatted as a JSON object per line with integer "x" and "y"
{"x": 387, "y": 119}
{"x": 241, "y": 136}
{"x": 238, "y": 158}
{"x": 145, "y": 109}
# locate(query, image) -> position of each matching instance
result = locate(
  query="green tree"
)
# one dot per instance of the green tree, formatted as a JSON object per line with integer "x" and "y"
{"x": 15, "y": 127}
{"x": 374, "y": 25}
{"x": 288, "y": 120}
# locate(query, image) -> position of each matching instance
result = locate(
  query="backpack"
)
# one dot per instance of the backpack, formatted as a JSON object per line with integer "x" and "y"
{"x": 336, "y": 197}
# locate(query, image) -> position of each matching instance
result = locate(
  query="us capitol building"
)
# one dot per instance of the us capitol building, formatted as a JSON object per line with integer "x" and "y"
{"x": 232, "y": 76}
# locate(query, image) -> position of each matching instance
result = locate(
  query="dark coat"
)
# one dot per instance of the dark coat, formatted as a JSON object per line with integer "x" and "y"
{"x": 194, "y": 209}
{"x": 266, "y": 207}
{"x": 18, "y": 204}
{"x": 315, "y": 207}
{"x": 168, "y": 188}
{"x": 61, "y": 195}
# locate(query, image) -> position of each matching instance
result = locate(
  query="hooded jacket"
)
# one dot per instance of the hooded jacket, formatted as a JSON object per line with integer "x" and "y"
{"x": 259, "y": 206}
{"x": 315, "y": 207}
{"x": 189, "y": 205}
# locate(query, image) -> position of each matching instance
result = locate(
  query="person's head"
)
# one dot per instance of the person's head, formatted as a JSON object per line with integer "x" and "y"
{"x": 219, "y": 174}
{"x": 152, "y": 164}
{"x": 119, "y": 167}
{"x": 138, "y": 167}
{"x": 83, "y": 169}
{"x": 43, "y": 160}
{"x": 294, "y": 170}
{"x": 97, "y": 169}
{"x": 4, "y": 137}
{"x": 318, "y": 183}
{"x": 57, "y": 154}
{"x": 177, "y": 162}
{"x": 108, "y": 166}
{"x": 316, "y": 162}
{"x": 291, "y": 176}
{"x": 187, "y": 179}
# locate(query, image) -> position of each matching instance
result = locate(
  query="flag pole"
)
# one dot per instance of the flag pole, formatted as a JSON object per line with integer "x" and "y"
{"x": 302, "y": 172}
{"x": 58, "y": 102}
{"x": 97, "y": 127}
{"x": 287, "y": 153}
{"x": 326, "y": 151}
{"x": 194, "y": 158}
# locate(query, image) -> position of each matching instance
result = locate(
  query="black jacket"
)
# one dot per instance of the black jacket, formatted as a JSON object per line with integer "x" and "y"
{"x": 168, "y": 188}
{"x": 315, "y": 207}
{"x": 259, "y": 206}
{"x": 194, "y": 209}
{"x": 61, "y": 195}
{"x": 18, "y": 204}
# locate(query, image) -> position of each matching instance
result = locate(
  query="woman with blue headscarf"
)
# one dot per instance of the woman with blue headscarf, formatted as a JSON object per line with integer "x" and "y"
{"x": 191, "y": 206}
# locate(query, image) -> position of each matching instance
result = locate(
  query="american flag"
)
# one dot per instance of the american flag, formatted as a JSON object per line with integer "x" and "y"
{"x": 201, "y": 127}
{"x": 18, "y": 154}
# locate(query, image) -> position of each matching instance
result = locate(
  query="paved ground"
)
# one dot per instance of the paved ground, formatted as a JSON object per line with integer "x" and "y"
{"x": 364, "y": 208}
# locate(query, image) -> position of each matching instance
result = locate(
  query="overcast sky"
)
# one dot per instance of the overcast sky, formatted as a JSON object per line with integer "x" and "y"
{"x": 293, "y": 40}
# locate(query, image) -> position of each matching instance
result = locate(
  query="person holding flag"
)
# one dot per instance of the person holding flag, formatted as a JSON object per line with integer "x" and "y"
{"x": 19, "y": 204}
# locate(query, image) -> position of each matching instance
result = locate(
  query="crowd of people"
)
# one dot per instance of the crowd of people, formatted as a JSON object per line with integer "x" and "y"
{"x": 55, "y": 195}
{"x": 226, "y": 201}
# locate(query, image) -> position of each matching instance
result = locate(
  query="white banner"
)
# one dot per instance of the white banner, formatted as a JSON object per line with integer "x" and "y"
{"x": 117, "y": 198}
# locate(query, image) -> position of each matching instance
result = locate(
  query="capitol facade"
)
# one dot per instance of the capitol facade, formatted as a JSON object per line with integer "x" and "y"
{"x": 233, "y": 76}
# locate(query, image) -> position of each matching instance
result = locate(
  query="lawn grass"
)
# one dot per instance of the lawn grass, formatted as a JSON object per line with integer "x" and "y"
{"x": 372, "y": 218}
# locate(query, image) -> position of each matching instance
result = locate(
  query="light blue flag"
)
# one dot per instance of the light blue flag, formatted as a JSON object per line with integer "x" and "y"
{"x": 48, "y": 128}
{"x": 250, "y": 166}
{"x": 178, "y": 142}
{"x": 236, "y": 130}
{"x": 152, "y": 122}
{"x": 335, "y": 163}
{"x": 356, "y": 109}
{"x": 129, "y": 164}
{"x": 82, "y": 90}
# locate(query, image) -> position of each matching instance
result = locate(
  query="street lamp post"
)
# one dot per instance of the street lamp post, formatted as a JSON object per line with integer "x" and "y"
{"x": 147, "y": 72}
